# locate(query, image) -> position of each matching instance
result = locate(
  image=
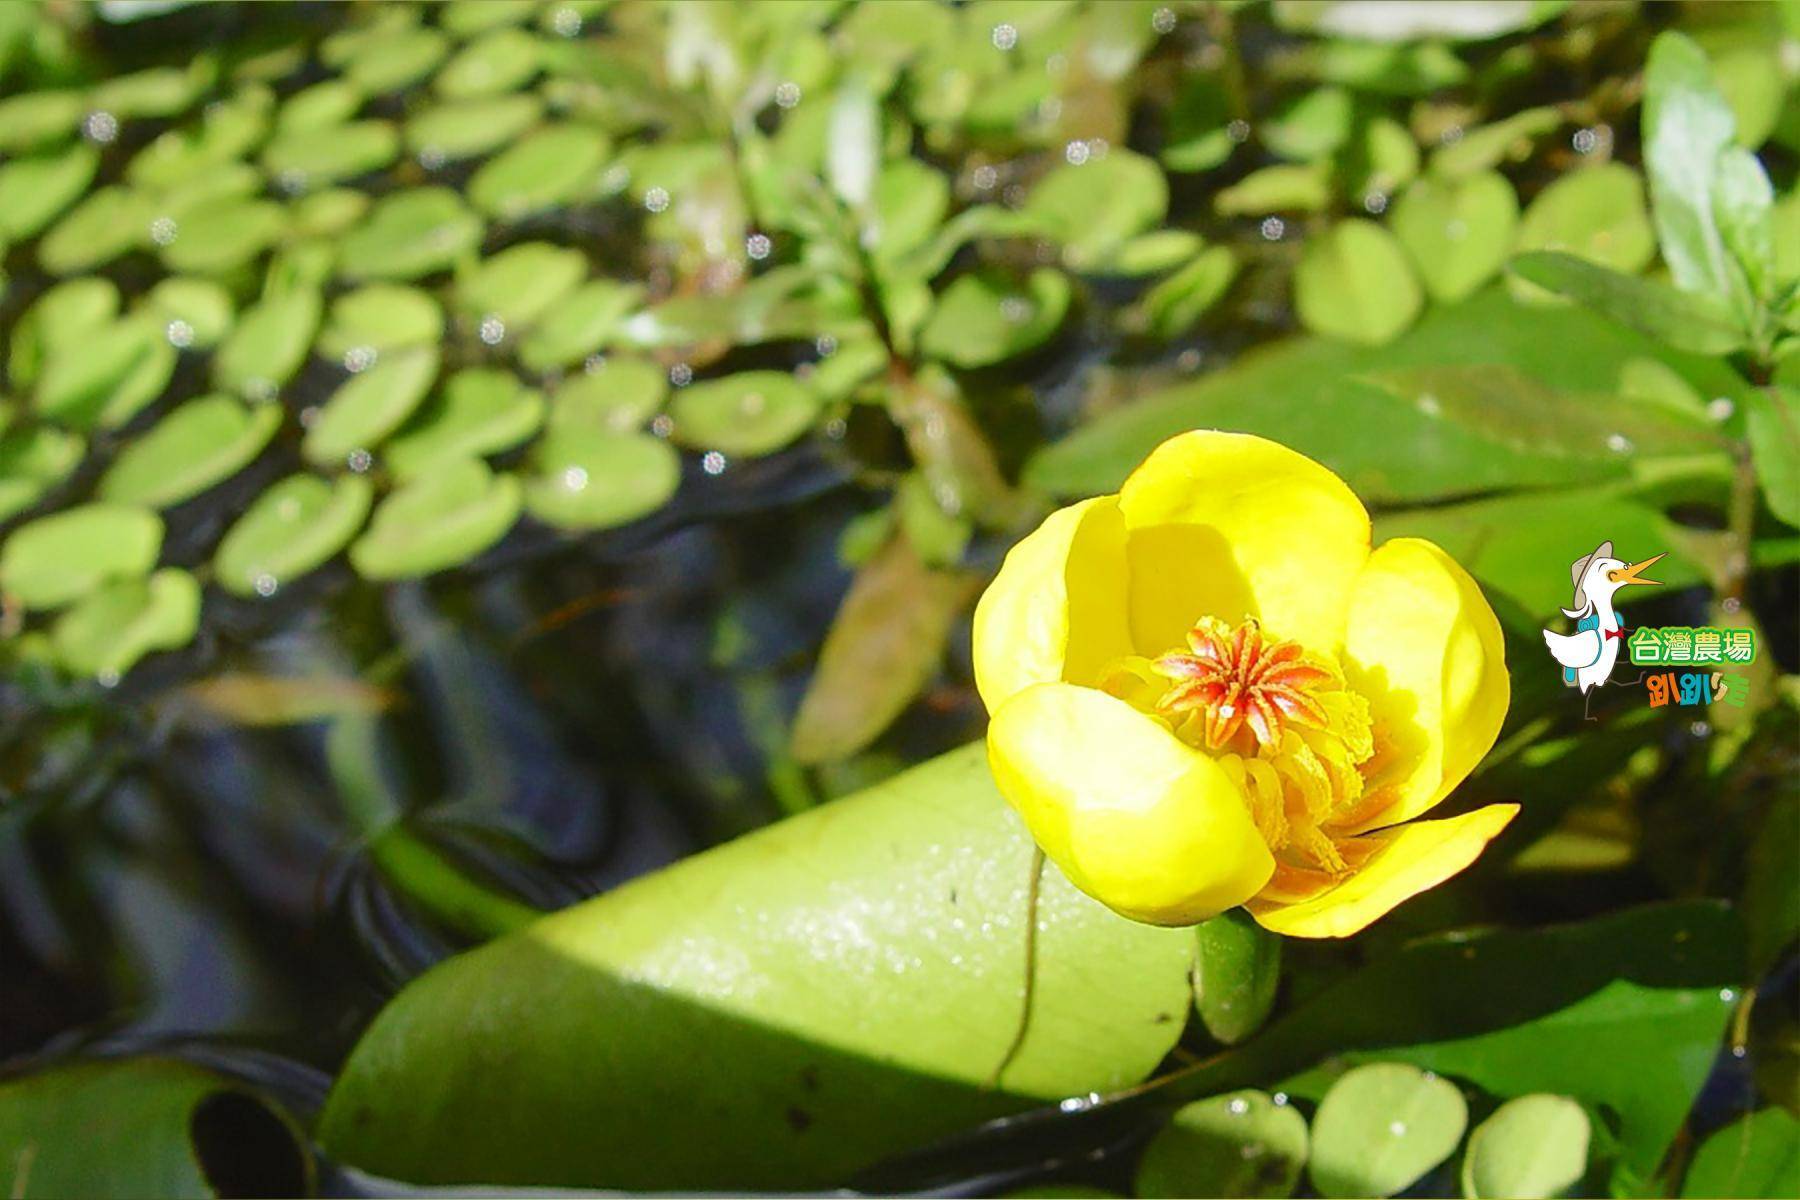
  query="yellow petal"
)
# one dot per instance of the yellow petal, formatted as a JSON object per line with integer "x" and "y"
{"x": 1426, "y": 651}
{"x": 1395, "y": 865}
{"x": 1230, "y": 525}
{"x": 1056, "y": 611}
{"x": 1134, "y": 817}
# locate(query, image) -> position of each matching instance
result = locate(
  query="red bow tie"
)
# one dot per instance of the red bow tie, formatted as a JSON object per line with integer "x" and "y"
{"x": 1614, "y": 633}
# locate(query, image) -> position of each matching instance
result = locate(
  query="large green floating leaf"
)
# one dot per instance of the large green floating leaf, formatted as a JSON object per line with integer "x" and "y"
{"x": 591, "y": 478}
{"x": 519, "y": 285}
{"x": 410, "y": 234}
{"x": 109, "y": 630}
{"x": 32, "y": 461}
{"x": 116, "y": 1129}
{"x": 1457, "y": 233}
{"x": 479, "y": 412}
{"x": 268, "y": 345}
{"x": 438, "y": 521}
{"x": 379, "y": 318}
{"x": 987, "y": 317}
{"x": 1756, "y": 1155}
{"x": 34, "y": 190}
{"x": 369, "y": 406}
{"x": 1314, "y": 396}
{"x": 62, "y": 557}
{"x": 750, "y": 413}
{"x": 470, "y": 128}
{"x": 204, "y": 442}
{"x": 1381, "y": 1127}
{"x": 557, "y": 165}
{"x": 581, "y": 325}
{"x": 1353, "y": 283}
{"x": 1532, "y": 1148}
{"x": 292, "y": 528}
{"x": 1240, "y": 1144}
{"x": 811, "y": 997}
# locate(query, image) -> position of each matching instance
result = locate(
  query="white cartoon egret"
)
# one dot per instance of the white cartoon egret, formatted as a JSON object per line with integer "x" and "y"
{"x": 1587, "y": 655}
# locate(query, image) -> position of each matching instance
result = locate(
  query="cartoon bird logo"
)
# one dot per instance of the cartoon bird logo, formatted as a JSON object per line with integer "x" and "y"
{"x": 1587, "y": 655}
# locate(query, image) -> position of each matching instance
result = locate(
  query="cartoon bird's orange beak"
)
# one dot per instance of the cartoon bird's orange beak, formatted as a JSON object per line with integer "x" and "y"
{"x": 1630, "y": 574}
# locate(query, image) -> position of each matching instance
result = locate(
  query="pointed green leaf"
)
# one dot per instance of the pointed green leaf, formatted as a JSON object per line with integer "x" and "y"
{"x": 1685, "y": 320}
{"x": 199, "y": 444}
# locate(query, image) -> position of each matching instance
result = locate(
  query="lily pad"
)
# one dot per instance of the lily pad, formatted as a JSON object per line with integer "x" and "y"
{"x": 439, "y": 521}
{"x": 597, "y": 479}
{"x": 369, "y": 406}
{"x": 380, "y": 317}
{"x": 617, "y": 397}
{"x": 1381, "y": 1127}
{"x": 470, "y": 128}
{"x": 291, "y": 529}
{"x": 520, "y": 284}
{"x": 1353, "y": 283}
{"x": 1457, "y": 233}
{"x": 107, "y": 380}
{"x": 988, "y": 317}
{"x": 1239, "y": 1144}
{"x": 1532, "y": 1148}
{"x": 32, "y": 461}
{"x": 480, "y": 411}
{"x": 501, "y": 61}
{"x": 34, "y": 190}
{"x": 410, "y": 234}
{"x": 196, "y": 313}
{"x": 268, "y": 345}
{"x": 108, "y": 631}
{"x": 110, "y": 222}
{"x": 749, "y": 413}
{"x": 308, "y": 158}
{"x": 204, "y": 442}
{"x": 64, "y": 556}
{"x": 556, "y": 165}
{"x": 579, "y": 326}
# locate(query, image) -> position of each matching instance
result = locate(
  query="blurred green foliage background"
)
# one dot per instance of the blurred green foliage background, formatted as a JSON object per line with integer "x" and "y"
{"x": 455, "y": 458}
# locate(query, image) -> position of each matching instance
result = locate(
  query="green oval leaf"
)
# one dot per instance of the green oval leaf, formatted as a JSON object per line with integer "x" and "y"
{"x": 1095, "y": 208}
{"x": 501, "y": 61}
{"x": 617, "y": 397}
{"x": 195, "y": 313}
{"x": 309, "y": 158}
{"x": 518, "y": 286}
{"x": 379, "y": 318}
{"x": 1236, "y": 969}
{"x": 110, "y": 222}
{"x": 792, "y": 1068}
{"x": 322, "y": 106}
{"x": 470, "y": 128}
{"x": 64, "y": 314}
{"x": 597, "y": 479}
{"x": 1756, "y": 1155}
{"x": 268, "y": 345}
{"x": 986, "y": 317}
{"x": 410, "y": 234}
{"x": 108, "y": 380}
{"x": 1240, "y": 1144}
{"x": 108, "y": 631}
{"x": 750, "y": 413}
{"x": 395, "y": 59}
{"x": 204, "y": 442}
{"x": 220, "y": 234}
{"x": 1532, "y": 1148}
{"x": 479, "y": 412}
{"x": 1353, "y": 283}
{"x": 32, "y": 461}
{"x": 35, "y": 119}
{"x": 369, "y": 406}
{"x": 554, "y": 166}
{"x": 1457, "y": 233}
{"x": 292, "y": 528}
{"x": 34, "y": 190}
{"x": 64, "y": 556}
{"x": 439, "y": 521}
{"x": 581, "y": 325}
{"x": 1596, "y": 213}
{"x": 1381, "y": 1127}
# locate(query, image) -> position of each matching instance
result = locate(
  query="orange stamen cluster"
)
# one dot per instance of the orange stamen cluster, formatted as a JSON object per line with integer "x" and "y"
{"x": 1236, "y": 679}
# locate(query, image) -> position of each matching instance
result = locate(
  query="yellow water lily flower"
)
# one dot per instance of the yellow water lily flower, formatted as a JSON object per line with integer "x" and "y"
{"x": 1208, "y": 691}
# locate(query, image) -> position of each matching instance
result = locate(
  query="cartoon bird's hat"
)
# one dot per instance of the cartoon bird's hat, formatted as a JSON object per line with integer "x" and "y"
{"x": 1579, "y": 569}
